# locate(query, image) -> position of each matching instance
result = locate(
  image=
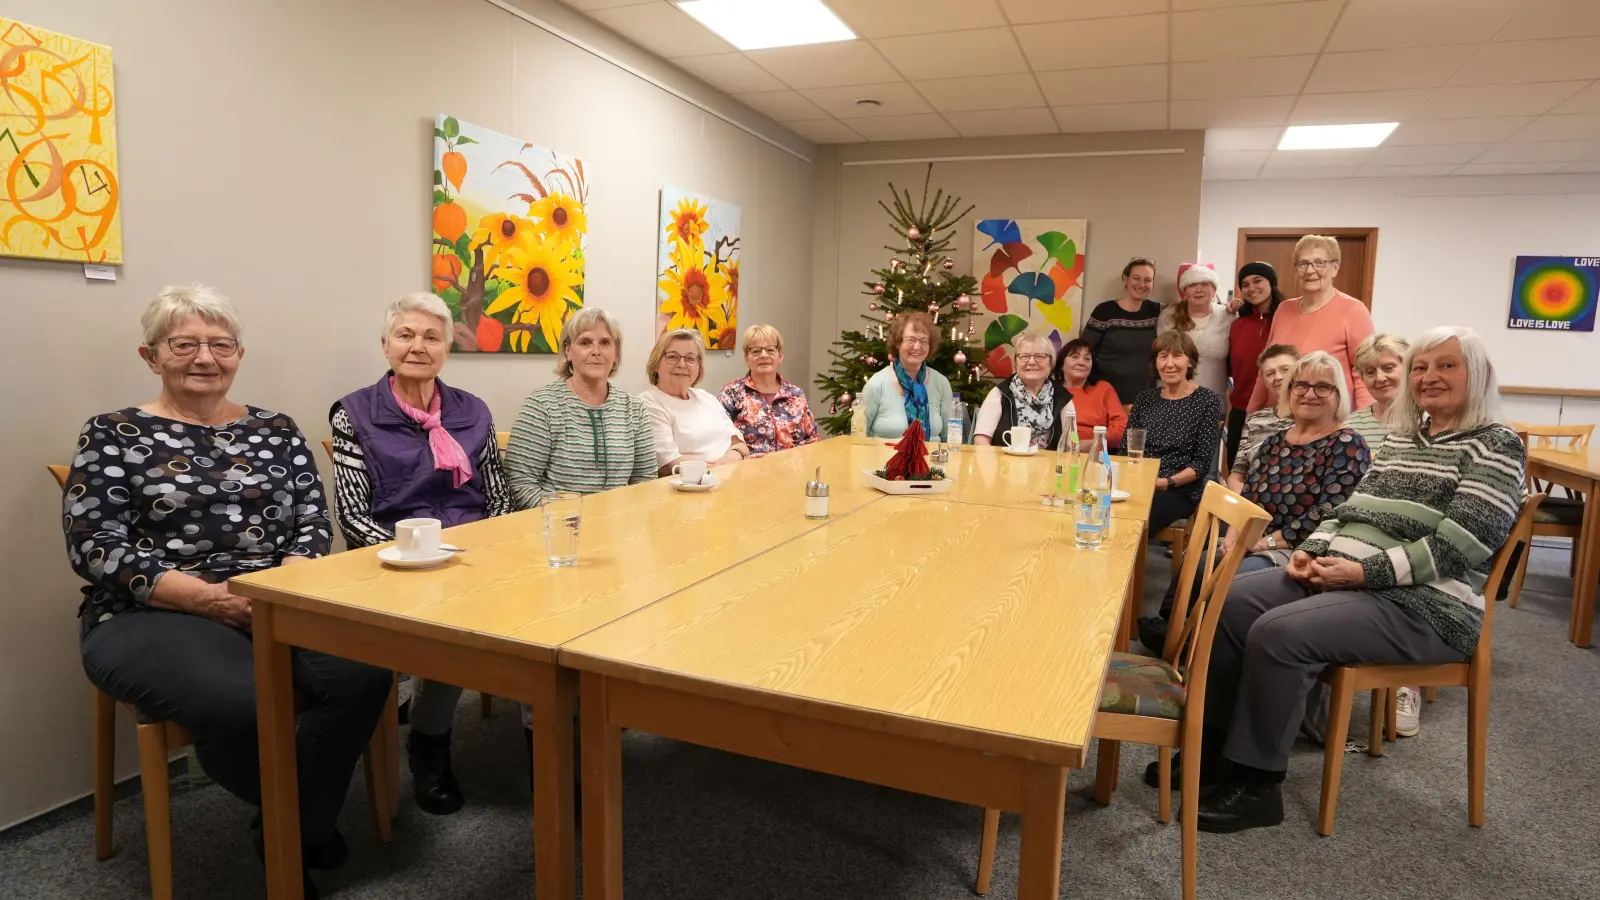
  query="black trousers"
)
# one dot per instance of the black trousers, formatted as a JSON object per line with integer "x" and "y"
{"x": 200, "y": 674}
{"x": 1236, "y": 419}
{"x": 1169, "y": 506}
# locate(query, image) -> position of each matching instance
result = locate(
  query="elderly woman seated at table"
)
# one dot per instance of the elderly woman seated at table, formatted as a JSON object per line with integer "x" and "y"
{"x": 1030, "y": 397}
{"x": 580, "y": 433}
{"x": 410, "y": 446}
{"x": 1182, "y": 424}
{"x": 1380, "y": 361}
{"x": 686, "y": 422}
{"x": 1274, "y": 365}
{"x": 772, "y": 413}
{"x": 167, "y": 501}
{"x": 906, "y": 390}
{"x": 1395, "y": 575}
{"x": 1094, "y": 400}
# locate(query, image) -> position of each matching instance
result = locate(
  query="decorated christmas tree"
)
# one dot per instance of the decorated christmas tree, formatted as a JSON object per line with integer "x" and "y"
{"x": 917, "y": 277}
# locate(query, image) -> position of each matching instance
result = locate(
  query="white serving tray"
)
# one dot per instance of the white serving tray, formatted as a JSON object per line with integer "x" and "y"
{"x": 909, "y": 488}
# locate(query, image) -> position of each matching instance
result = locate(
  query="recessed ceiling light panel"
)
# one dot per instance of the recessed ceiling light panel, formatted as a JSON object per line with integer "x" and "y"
{"x": 758, "y": 24}
{"x": 1335, "y": 137}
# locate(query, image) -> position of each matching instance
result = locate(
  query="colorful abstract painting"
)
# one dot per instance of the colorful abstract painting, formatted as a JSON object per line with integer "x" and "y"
{"x": 697, "y": 267}
{"x": 1554, "y": 293}
{"x": 1031, "y": 275}
{"x": 508, "y": 238}
{"x": 58, "y": 148}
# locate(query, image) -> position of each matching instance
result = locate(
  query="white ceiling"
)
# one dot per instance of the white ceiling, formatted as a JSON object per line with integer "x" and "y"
{"x": 1480, "y": 87}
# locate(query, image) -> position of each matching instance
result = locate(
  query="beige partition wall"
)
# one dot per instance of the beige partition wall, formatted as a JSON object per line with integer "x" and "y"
{"x": 1140, "y": 193}
{"x": 282, "y": 152}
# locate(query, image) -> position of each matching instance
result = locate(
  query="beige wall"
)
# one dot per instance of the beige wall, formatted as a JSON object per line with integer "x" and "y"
{"x": 1144, "y": 205}
{"x": 281, "y": 152}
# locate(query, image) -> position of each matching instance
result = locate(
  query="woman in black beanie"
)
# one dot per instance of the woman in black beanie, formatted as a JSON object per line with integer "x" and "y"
{"x": 1258, "y": 288}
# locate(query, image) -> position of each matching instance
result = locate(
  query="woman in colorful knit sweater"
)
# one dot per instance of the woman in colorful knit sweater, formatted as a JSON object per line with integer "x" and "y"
{"x": 1395, "y": 575}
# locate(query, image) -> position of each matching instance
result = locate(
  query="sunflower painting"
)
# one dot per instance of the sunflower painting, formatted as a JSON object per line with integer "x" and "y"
{"x": 509, "y": 233}
{"x": 697, "y": 267}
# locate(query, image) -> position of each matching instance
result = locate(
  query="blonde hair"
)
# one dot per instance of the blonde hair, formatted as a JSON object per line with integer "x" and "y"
{"x": 174, "y": 302}
{"x": 767, "y": 332}
{"x": 653, "y": 364}
{"x": 1376, "y": 345}
{"x": 581, "y": 321}
{"x": 1317, "y": 361}
{"x": 1312, "y": 241}
{"x": 1483, "y": 390}
{"x": 1032, "y": 337}
{"x": 903, "y": 322}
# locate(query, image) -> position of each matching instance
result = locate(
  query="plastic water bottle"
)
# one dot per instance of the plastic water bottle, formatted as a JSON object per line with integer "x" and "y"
{"x": 858, "y": 421}
{"x": 1094, "y": 493}
{"x": 1067, "y": 461}
{"x": 956, "y": 426}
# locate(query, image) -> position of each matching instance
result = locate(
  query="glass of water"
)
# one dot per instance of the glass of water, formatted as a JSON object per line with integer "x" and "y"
{"x": 1135, "y": 444}
{"x": 561, "y": 511}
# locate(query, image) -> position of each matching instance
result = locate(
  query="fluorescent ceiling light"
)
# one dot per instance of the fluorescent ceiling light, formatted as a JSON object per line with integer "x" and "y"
{"x": 758, "y": 24}
{"x": 1335, "y": 137}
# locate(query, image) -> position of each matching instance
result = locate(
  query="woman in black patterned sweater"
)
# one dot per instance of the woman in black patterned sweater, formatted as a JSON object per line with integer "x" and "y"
{"x": 1119, "y": 331}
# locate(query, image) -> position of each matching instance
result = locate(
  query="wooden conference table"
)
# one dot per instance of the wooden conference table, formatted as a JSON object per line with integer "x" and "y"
{"x": 937, "y": 644}
{"x": 1578, "y": 471}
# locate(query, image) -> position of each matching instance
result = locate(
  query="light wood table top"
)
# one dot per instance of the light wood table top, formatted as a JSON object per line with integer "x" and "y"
{"x": 638, "y": 544}
{"x": 979, "y": 626}
{"x": 1584, "y": 464}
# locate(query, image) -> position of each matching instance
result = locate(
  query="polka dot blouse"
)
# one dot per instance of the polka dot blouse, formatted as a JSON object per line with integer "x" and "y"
{"x": 1300, "y": 484}
{"x": 1183, "y": 434}
{"x": 149, "y": 494}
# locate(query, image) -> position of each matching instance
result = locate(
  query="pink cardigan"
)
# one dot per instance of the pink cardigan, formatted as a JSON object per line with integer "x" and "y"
{"x": 1338, "y": 328}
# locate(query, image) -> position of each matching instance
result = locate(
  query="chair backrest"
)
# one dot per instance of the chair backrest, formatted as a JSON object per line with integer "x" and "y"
{"x": 1521, "y": 533}
{"x": 1567, "y": 438}
{"x": 1196, "y": 609}
{"x": 60, "y": 473}
{"x": 502, "y": 438}
{"x": 327, "y": 447}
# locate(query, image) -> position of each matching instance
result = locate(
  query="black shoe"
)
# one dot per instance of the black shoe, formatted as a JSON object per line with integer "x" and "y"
{"x": 1210, "y": 773}
{"x": 433, "y": 783}
{"x": 1236, "y": 806}
{"x": 1153, "y": 634}
{"x": 323, "y": 857}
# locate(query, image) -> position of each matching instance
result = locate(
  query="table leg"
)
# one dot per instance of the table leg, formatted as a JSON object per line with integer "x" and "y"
{"x": 555, "y": 692}
{"x": 1587, "y": 552}
{"x": 1129, "y": 626}
{"x": 280, "y": 800}
{"x": 1043, "y": 815}
{"x": 602, "y": 794}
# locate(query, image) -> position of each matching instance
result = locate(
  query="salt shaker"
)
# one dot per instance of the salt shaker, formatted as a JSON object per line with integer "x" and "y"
{"x": 817, "y": 497}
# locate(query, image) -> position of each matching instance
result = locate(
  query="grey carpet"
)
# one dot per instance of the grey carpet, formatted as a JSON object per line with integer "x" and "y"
{"x": 704, "y": 824}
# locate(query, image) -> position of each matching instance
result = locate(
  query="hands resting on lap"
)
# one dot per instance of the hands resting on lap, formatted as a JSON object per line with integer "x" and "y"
{"x": 1326, "y": 573}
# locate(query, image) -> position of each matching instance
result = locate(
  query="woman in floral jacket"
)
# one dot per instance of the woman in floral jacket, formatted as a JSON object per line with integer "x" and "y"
{"x": 771, "y": 413}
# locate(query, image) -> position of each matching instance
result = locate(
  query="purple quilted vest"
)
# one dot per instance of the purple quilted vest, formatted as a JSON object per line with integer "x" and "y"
{"x": 400, "y": 463}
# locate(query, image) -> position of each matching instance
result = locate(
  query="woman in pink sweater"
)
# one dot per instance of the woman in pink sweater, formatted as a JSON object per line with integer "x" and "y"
{"x": 1322, "y": 317}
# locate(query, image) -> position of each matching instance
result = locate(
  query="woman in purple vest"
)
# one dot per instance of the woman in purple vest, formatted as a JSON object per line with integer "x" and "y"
{"x": 411, "y": 446}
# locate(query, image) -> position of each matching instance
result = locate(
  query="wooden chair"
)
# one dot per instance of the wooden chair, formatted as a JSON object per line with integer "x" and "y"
{"x": 1382, "y": 680}
{"x": 1162, "y": 701}
{"x": 157, "y": 740}
{"x": 1559, "y": 516}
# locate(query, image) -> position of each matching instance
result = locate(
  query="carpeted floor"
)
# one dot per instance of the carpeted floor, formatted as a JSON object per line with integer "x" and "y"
{"x": 704, "y": 824}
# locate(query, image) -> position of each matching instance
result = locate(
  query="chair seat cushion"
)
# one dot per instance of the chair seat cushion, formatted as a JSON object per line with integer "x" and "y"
{"x": 1559, "y": 511}
{"x": 1142, "y": 686}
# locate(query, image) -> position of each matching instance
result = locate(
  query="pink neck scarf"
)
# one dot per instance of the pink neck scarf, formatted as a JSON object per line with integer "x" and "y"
{"x": 447, "y": 453}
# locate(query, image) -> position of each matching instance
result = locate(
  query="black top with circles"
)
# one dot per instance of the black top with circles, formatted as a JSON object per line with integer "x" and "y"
{"x": 149, "y": 494}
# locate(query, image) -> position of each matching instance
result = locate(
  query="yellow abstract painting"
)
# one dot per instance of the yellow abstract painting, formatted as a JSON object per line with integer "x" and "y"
{"x": 58, "y": 148}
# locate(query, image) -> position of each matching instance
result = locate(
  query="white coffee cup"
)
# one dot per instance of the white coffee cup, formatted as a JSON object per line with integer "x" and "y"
{"x": 418, "y": 538}
{"x": 1018, "y": 436}
{"x": 690, "y": 471}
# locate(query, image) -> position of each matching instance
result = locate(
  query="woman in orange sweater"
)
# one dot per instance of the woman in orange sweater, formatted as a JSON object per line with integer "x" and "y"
{"x": 1321, "y": 318}
{"x": 1094, "y": 401}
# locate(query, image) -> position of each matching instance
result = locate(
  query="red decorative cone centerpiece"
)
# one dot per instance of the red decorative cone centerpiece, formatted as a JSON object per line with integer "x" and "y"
{"x": 910, "y": 459}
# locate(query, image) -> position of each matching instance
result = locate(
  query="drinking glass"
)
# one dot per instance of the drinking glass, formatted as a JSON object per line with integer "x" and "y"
{"x": 561, "y": 511}
{"x": 1135, "y": 444}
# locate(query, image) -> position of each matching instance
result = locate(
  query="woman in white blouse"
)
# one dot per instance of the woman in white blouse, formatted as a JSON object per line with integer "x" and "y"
{"x": 686, "y": 422}
{"x": 1208, "y": 322}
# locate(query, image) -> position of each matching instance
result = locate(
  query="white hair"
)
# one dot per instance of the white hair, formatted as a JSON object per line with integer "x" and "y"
{"x": 1318, "y": 361}
{"x": 1032, "y": 337}
{"x": 579, "y": 322}
{"x": 1483, "y": 391}
{"x": 175, "y": 302}
{"x": 423, "y": 303}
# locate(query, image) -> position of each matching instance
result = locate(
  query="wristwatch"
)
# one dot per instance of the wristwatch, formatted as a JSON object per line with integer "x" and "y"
{"x": 1272, "y": 542}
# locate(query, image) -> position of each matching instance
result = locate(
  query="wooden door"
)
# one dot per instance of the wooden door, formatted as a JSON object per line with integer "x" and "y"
{"x": 1358, "y": 250}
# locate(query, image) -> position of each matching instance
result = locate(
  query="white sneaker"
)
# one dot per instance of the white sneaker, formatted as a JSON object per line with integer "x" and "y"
{"x": 1408, "y": 708}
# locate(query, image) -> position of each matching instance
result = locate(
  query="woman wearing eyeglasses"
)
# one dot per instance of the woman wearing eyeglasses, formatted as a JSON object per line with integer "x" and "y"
{"x": 907, "y": 390}
{"x": 686, "y": 422}
{"x": 164, "y": 504}
{"x": 771, "y": 412}
{"x": 1030, "y": 397}
{"x": 1322, "y": 317}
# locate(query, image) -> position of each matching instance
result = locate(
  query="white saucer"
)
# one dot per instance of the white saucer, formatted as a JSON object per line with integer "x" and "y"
{"x": 1119, "y": 496}
{"x": 391, "y": 556}
{"x": 1031, "y": 451}
{"x": 709, "y": 484}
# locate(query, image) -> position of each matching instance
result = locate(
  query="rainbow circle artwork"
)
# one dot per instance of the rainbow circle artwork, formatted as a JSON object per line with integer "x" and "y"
{"x": 1555, "y": 293}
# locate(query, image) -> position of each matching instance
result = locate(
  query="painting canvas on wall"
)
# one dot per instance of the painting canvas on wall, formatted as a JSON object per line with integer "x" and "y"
{"x": 697, "y": 267}
{"x": 1554, "y": 293}
{"x": 509, "y": 232}
{"x": 58, "y": 148}
{"x": 1031, "y": 275}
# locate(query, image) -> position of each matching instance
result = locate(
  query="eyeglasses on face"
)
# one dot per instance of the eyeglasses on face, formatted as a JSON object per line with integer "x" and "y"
{"x": 1033, "y": 357}
{"x": 761, "y": 351}
{"x": 692, "y": 359}
{"x": 1306, "y": 265}
{"x": 914, "y": 342}
{"x": 1322, "y": 390}
{"x": 221, "y": 348}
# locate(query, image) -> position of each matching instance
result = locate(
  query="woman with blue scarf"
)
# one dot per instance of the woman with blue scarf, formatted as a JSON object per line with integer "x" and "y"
{"x": 908, "y": 391}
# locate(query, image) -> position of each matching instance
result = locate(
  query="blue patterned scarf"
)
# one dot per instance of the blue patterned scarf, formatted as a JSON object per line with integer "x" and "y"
{"x": 916, "y": 393}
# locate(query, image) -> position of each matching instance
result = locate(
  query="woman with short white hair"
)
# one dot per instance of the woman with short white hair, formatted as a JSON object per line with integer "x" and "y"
{"x": 167, "y": 501}
{"x": 1394, "y": 575}
{"x": 1380, "y": 362}
{"x": 1030, "y": 397}
{"x": 410, "y": 446}
{"x": 686, "y": 422}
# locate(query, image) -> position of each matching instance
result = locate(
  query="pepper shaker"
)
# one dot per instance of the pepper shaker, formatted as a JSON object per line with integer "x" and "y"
{"x": 817, "y": 497}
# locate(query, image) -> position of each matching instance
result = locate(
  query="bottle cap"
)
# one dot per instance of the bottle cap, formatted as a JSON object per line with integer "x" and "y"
{"x": 817, "y": 488}
{"x": 1099, "y": 429}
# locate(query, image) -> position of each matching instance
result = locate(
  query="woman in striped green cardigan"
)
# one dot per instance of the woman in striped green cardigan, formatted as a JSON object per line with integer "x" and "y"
{"x": 1395, "y": 575}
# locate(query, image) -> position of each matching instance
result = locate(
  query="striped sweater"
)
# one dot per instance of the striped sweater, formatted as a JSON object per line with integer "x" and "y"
{"x": 560, "y": 443}
{"x": 1426, "y": 522}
